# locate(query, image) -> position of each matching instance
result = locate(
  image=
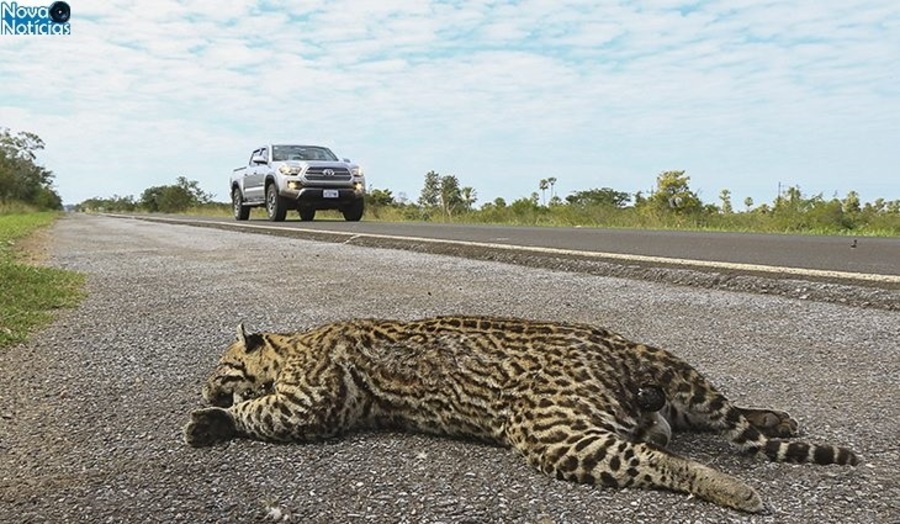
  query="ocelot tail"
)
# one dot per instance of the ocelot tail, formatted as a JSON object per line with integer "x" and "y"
{"x": 578, "y": 402}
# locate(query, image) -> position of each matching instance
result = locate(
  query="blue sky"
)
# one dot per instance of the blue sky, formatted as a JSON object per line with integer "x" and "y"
{"x": 740, "y": 94}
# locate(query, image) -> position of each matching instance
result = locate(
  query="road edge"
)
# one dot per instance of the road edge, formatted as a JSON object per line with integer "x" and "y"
{"x": 819, "y": 286}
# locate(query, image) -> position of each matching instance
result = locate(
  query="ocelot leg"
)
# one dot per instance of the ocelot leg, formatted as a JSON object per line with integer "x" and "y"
{"x": 570, "y": 449}
{"x": 693, "y": 403}
{"x": 769, "y": 422}
{"x": 272, "y": 417}
{"x": 288, "y": 414}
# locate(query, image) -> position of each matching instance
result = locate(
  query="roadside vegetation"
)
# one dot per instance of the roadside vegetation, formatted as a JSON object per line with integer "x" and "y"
{"x": 29, "y": 292}
{"x": 671, "y": 205}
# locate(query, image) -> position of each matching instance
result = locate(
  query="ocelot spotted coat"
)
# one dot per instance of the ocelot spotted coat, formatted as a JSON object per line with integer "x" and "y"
{"x": 578, "y": 402}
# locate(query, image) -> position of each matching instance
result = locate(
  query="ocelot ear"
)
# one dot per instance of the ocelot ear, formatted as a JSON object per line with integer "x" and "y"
{"x": 241, "y": 334}
{"x": 250, "y": 341}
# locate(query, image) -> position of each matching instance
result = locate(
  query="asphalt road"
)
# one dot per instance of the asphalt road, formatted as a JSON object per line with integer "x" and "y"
{"x": 91, "y": 409}
{"x": 734, "y": 251}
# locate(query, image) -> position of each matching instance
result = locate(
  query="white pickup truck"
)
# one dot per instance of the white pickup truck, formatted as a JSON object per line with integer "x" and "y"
{"x": 302, "y": 177}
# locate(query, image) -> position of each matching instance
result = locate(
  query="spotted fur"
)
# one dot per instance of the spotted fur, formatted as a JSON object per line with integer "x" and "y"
{"x": 578, "y": 402}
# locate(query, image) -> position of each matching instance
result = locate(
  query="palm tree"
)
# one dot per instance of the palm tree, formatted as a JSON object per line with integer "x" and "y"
{"x": 468, "y": 197}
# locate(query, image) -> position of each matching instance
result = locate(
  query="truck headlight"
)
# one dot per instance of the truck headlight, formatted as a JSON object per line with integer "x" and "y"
{"x": 356, "y": 171}
{"x": 289, "y": 170}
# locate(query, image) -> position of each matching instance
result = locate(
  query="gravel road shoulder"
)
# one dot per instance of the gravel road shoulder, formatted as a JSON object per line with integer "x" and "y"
{"x": 91, "y": 409}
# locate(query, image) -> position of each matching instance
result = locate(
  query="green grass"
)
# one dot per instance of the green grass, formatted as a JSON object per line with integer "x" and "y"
{"x": 29, "y": 293}
{"x": 884, "y": 225}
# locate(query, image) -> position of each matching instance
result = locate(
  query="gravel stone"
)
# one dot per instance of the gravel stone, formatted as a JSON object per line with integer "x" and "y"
{"x": 91, "y": 409}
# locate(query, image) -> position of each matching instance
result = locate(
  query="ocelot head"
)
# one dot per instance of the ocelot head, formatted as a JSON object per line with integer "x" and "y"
{"x": 246, "y": 371}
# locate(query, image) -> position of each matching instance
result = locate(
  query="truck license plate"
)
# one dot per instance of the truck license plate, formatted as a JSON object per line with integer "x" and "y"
{"x": 330, "y": 193}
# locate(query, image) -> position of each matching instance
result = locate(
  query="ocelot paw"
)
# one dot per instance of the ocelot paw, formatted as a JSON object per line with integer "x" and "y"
{"x": 747, "y": 499}
{"x": 772, "y": 423}
{"x": 733, "y": 493}
{"x": 209, "y": 426}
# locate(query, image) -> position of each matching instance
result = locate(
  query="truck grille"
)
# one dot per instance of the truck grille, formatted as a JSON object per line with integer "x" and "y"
{"x": 316, "y": 174}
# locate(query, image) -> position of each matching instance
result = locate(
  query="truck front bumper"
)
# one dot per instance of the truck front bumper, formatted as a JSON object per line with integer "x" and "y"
{"x": 324, "y": 197}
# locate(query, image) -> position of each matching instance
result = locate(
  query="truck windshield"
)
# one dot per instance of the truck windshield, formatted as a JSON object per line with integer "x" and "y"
{"x": 282, "y": 153}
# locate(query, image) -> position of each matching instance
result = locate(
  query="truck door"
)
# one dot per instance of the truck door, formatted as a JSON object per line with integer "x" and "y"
{"x": 256, "y": 175}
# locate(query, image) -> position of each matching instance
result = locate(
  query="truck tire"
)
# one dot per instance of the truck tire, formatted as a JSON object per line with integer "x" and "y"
{"x": 354, "y": 212}
{"x": 276, "y": 207}
{"x": 241, "y": 212}
{"x": 307, "y": 215}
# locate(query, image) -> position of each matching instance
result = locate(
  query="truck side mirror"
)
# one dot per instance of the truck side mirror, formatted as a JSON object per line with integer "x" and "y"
{"x": 258, "y": 160}
{"x": 346, "y": 160}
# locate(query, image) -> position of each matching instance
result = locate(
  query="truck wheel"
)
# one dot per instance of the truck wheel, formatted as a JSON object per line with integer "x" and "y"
{"x": 307, "y": 215}
{"x": 354, "y": 212}
{"x": 276, "y": 207}
{"x": 241, "y": 212}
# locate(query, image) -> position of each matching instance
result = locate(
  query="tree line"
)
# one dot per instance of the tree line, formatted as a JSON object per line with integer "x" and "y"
{"x": 22, "y": 179}
{"x": 672, "y": 203}
{"x": 181, "y": 196}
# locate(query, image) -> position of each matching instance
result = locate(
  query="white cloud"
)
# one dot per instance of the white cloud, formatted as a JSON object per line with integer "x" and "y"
{"x": 741, "y": 94}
